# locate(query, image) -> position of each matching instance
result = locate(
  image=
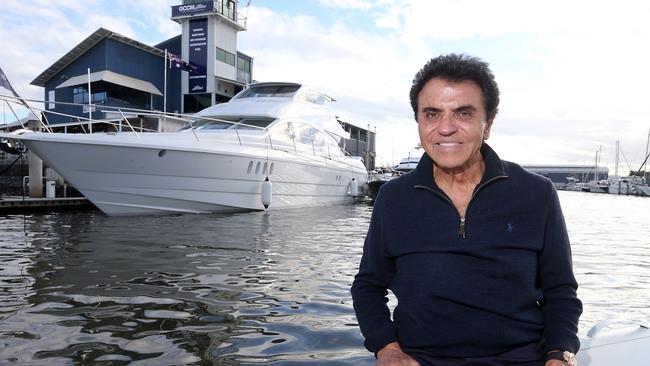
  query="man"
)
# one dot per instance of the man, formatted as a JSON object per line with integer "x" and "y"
{"x": 474, "y": 248}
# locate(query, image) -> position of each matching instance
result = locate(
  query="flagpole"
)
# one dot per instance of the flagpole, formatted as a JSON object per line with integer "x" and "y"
{"x": 248, "y": 4}
{"x": 165, "y": 93}
{"x": 90, "y": 110}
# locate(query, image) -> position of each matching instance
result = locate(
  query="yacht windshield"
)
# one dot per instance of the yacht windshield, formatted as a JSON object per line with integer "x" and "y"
{"x": 284, "y": 91}
{"x": 249, "y": 123}
{"x": 228, "y": 122}
{"x": 206, "y": 124}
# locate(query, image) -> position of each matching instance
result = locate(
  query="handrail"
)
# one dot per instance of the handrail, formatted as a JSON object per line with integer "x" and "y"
{"x": 194, "y": 132}
{"x": 81, "y": 125}
{"x": 31, "y": 109}
{"x": 323, "y": 150}
{"x": 81, "y": 121}
{"x": 15, "y": 115}
{"x": 186, "y": 117}
{"x": 128, "y": 123}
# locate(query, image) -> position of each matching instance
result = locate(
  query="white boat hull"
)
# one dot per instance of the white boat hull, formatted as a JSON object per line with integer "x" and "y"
{"x": 130, "y": 177}
{"x": 624, "y": 346}
{"x": 643, "y": 190}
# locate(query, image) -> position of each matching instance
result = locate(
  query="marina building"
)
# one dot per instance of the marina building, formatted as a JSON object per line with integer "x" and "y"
{"x": 110, "y": 78}
{"x": 108, "y": 74}
{"x": 110, "y": 82}
{"x": 360, "y": 143}
{"x": 563, "y": 174}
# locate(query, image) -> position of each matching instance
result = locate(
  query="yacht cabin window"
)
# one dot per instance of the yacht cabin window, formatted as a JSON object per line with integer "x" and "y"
{"x": 302, "y": 137}
{"x": 284, "y": 91}
{"x": 228, "y": 122}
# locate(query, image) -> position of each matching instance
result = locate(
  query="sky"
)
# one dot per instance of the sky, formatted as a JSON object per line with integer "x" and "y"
{"x": 573, "y": 75}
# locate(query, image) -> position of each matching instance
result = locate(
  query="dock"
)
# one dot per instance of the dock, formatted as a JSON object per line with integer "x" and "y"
{"x": 20, "y": 204}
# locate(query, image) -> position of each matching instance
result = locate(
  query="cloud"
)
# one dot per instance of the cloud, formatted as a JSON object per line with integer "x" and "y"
{"x": 573, "y": 75}
{"x": 347, "y": 4}
{"x": 366, "y": 72}
{"x": 48, "y": 30}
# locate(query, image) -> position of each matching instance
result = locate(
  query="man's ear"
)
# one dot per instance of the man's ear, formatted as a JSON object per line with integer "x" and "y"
{"x": 486, "y": 130}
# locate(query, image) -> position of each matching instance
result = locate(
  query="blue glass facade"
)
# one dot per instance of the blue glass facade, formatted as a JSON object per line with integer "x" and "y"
{"x": 118, "y": 57}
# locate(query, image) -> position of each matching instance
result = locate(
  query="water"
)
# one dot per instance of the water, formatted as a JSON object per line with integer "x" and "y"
{"x": 245, "y": 289}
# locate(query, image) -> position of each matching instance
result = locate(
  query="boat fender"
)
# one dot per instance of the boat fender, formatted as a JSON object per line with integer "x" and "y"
{"x": 267, "y": 192}
{"x": 354, "y": 187}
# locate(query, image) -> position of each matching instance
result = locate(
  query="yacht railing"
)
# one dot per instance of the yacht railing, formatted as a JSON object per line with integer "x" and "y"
{"x": 310, "y": 145}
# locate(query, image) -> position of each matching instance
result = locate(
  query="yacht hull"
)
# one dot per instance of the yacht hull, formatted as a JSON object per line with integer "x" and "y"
{"x": 123, "y": 178}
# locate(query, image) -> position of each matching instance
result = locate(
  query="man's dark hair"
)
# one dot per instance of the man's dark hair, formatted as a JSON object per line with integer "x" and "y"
{"x": 457, "y": 68}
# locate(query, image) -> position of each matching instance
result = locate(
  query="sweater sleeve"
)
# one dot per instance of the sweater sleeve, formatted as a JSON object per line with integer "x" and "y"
{"x": 370, "y": 286}
{"x": 560, "y": 306}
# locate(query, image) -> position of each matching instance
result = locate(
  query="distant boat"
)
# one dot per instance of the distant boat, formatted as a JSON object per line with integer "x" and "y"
{"x": 598, "y": 187}
{"x": 629, "y": 186}
{"x": 377, "y": 178}
{"x": 634, "y": 184}
{"x": 410, "y": 162}
{"x": 381, "y": 176}
{"x": 274, "y": 145}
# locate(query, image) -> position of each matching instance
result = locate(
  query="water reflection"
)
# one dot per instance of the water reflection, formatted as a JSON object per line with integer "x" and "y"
{"x": 224, "y": 289}
{"x": 245, "y": 289}
{"x": 611, "y": 253}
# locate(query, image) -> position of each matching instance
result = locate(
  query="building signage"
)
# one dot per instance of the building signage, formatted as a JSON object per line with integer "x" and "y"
{"x": 198, "y": 55}
{"x": 191, "y": 9}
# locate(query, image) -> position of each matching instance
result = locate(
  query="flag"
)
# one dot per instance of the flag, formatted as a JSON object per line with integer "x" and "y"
{"x": 4, "y": 82}
{"x": 178, "y": 63}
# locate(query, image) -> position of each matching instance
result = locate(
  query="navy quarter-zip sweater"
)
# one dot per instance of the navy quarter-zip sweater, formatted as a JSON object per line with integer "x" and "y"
{"x": 499, "y": 280}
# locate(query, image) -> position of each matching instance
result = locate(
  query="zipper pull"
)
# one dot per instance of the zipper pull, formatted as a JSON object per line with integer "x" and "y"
{"x": 461, "y": 228}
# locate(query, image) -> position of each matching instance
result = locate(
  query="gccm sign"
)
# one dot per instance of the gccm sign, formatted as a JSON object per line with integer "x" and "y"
{"x": 191, "y": 8}
{"x": 179, "y": 10}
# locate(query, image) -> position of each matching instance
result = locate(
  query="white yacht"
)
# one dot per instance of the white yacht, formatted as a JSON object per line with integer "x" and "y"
{"x": 274, "y": 145}
{"x": 632, "y": 185}
{"x": 410, "y": 162}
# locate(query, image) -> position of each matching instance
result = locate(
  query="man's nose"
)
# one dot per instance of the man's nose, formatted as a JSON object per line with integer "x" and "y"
{"x": 447, "y": 125}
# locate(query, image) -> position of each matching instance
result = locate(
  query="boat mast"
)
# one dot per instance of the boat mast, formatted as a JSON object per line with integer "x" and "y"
{"x": 616, "y": 159}
{"x": 647, "y": 156}
{"x": 647, "y": 142}
{"x": 596, "y": 168}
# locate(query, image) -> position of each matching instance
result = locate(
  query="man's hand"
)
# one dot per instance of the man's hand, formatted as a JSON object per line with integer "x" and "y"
{"x": 554, "y": 363}
{"x": 392, "y": 355}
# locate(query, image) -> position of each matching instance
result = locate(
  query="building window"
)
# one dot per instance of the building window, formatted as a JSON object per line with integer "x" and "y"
{"x": 51, "y": 99}
{"x": 195, "y": 102}
{"x": 80, "y": 96}
{"x": 226, "y": 8}
{"x": 225, "y": 56}
{"x": 243, "y": 68}
{"x": 244, "y": 65}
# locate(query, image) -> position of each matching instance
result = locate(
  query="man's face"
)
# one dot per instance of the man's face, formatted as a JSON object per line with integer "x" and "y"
{"x": 452, "y": 123}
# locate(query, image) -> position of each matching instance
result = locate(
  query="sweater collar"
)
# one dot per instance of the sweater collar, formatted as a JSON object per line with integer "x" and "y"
{"x": 493, "y": 168}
